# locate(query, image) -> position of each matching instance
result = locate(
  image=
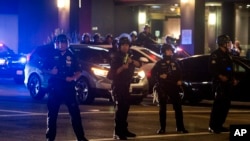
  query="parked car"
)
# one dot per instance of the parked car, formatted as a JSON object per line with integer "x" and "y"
{"x": 11, "y": 64}
{"x": 95, "y": 63}
{"x": 151, "y": 58}
{"x": 197, "y": 82}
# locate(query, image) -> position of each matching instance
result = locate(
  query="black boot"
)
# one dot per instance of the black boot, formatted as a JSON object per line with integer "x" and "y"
{"x": 130, "y": 134}
{"x": 161, "y": 131}
{"x": 183, "y": 130}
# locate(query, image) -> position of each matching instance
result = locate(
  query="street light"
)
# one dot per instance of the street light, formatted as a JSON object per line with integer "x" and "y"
{"x": 63, "y": 14}
{"x": 212, "y": 19}
{"x": 184, "y": 1}
{"x": 61, "y": 3}
{"x": 142, "y": 17}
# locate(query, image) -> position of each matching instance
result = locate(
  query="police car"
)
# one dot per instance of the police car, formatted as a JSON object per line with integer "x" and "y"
{"x": 11, "y": 64}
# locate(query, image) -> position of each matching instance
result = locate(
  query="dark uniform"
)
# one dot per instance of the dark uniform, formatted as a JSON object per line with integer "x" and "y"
{"x": 221, "y": 64}
{"x": 121, "y": 85}
{"x": 145, "y": 38}
{"x": 62, "y": 91}
{"x": 168, "y": 88}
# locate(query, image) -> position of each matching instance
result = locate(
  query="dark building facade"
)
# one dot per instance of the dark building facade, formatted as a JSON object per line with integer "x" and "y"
{"x": 38, "y": 19}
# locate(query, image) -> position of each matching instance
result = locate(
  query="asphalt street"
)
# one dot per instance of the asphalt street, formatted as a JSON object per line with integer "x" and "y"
{"x": 24, "y": 119}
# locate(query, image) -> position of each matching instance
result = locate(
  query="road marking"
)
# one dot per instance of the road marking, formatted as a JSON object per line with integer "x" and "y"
{"x": 14, "y": 111}
{"x": 158, "y": 136}
{"x": 24, "y": 113}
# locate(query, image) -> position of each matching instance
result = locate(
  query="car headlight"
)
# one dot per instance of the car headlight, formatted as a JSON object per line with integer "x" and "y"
{"x": 22, "y": 60}
{"x": 99, "y": 71}
{"x": 2, "y": 61}
{"x": 141, "y": 74}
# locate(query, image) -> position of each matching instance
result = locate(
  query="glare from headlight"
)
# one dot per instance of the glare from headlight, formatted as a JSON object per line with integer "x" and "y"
{"x": 141, "y": 74}
{"x": 23, "y": 60}
{"x": 99, "y": 72}
{"x": 2, "y": 61}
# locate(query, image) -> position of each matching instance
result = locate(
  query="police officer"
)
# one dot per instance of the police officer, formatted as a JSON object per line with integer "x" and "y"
{"x": 145, "y": 38}
{"x": 133, "y": 36}
{"x": 221, "y": 67}
{"x": 122, "y": 69}
{"x": 85, "y": 38}
{"x": 64, "y": 71}
{"x": 168, "y": 78}
{"x": 97, "y": 39}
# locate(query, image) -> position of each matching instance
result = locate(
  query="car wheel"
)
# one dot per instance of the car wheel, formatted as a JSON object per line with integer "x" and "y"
{"x": 84, "y": 93}
{"x": 34, "y": 86}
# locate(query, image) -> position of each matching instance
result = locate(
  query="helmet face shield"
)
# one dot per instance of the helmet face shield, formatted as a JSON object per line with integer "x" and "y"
{"x": 62, "y": 38}
{"x": 62, "y": 41}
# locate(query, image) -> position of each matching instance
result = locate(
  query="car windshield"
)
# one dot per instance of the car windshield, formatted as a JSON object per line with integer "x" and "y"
{"x": 4, "y": 50}
{"x": 97, "y": 55}
{"x": 152, "y": 54}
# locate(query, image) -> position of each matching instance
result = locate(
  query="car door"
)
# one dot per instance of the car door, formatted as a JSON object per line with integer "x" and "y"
{"x": 242, "y": 75}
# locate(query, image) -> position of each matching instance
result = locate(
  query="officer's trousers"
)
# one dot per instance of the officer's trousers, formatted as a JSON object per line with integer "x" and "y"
{"x": 57, "y": 96}
{"x": 122, "y": 105}
{"x": 220, "y": 106}
{"x": 171, "y": 91}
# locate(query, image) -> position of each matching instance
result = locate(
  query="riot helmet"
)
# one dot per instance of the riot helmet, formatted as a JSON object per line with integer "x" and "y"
{"x": 85, "y": 36}
{"x": 97, "y": 36}
{"x": 165, "y": 47}
{"x": 108, "y": 39}
{"x": 61, "y": 42}
{"x": 167, "y": 55}
{"x": 133, "y": 33}
{"x": 124, "y": 40}
{"x": 223, "y": 39}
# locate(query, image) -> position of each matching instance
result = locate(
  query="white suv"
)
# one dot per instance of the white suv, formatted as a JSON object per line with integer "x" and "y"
{"x": 93, "y": 83}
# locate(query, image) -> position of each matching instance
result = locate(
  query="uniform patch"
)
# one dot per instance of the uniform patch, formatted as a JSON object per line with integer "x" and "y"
{"x": 173, "y": 67}
{"x": 68, "y": 61}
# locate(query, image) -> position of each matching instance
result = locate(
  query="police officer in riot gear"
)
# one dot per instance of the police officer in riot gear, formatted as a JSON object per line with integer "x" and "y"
{"x": 168, "y": 79}
{"x": 221, "y": 67}
{"x": 64, "y": 70}
{"x": 122, "y": 69}
{"x": 86, "y": 38}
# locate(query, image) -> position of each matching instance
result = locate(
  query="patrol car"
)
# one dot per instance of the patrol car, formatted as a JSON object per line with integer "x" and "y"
{"x": 11, "y": 64}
